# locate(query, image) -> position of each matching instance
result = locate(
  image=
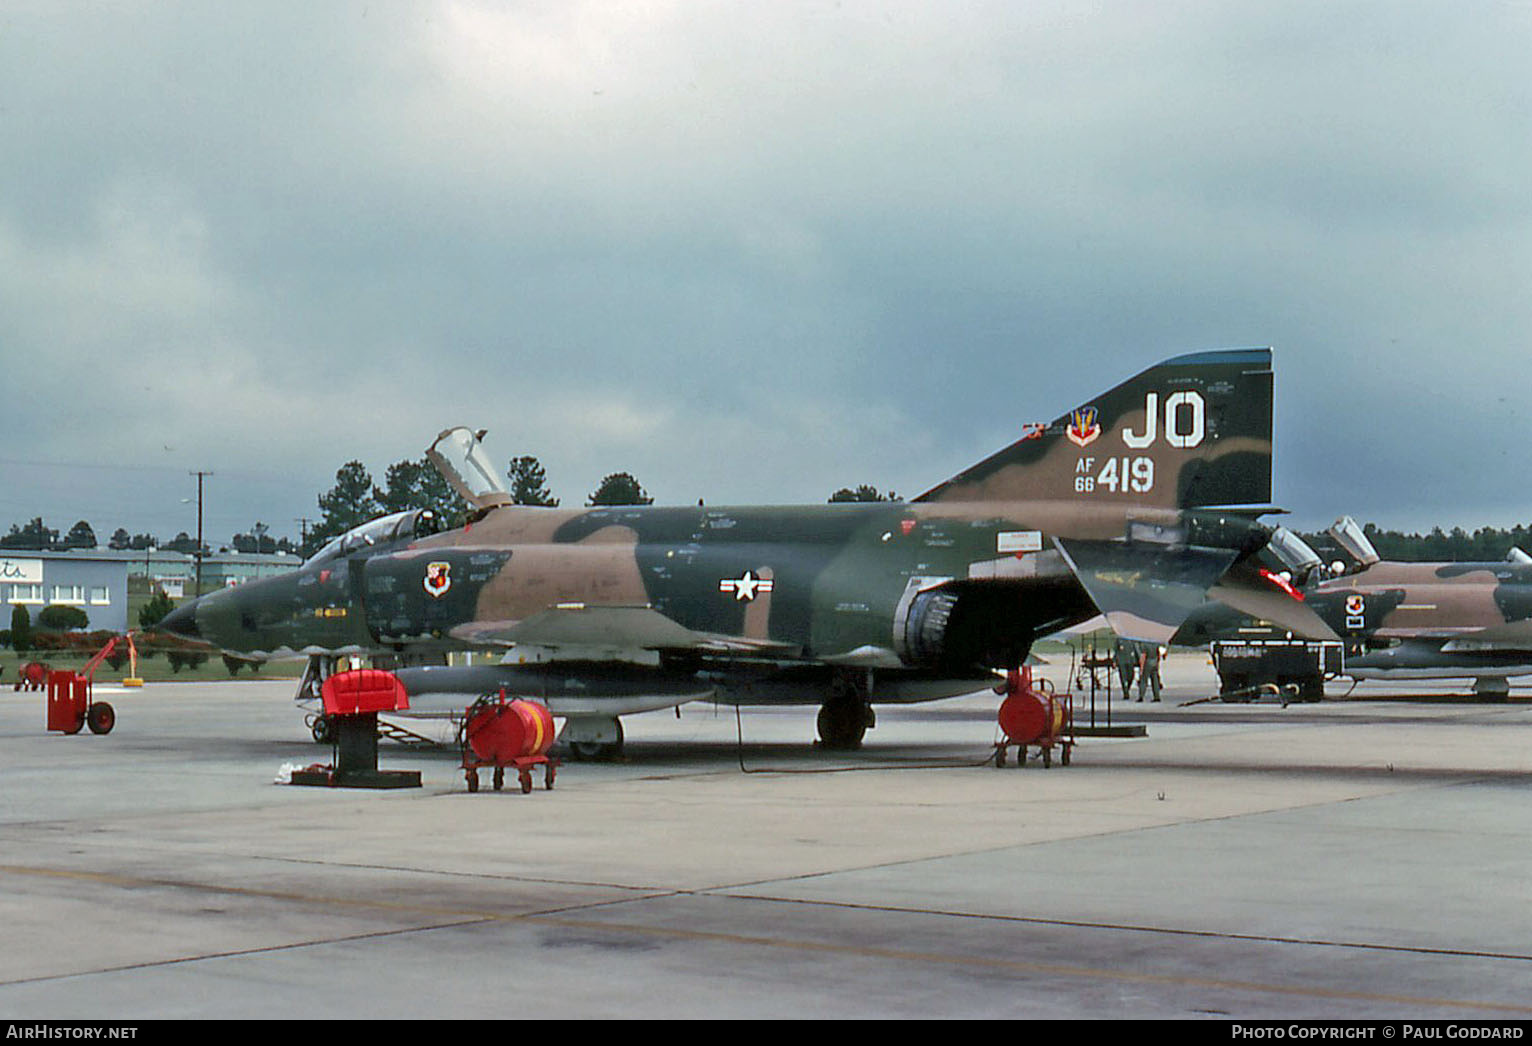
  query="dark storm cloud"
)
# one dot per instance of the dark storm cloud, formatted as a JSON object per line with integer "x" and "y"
{"x": 755, "y": 252}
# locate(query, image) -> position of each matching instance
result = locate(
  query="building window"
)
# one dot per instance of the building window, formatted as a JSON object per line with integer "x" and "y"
{"x": 69, "y": 593}
{"x": 100, "y": 595}
{"x": 26, "y": 593}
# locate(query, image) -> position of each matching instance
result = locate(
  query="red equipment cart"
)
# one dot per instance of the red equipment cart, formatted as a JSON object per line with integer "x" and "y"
{"x": 70, "y": 706}
{"x": 500, "y": 733}
{"x": 32, "y": 676}
{"x": 1033, "y": 716}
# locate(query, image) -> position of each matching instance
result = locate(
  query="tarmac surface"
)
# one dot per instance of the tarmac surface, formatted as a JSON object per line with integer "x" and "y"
{"x": 1359, "y": 858}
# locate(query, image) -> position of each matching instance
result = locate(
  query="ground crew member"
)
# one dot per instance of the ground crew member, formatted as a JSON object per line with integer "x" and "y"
{"x": 1126, "y": 656}
{"x": 1149, "y": 668}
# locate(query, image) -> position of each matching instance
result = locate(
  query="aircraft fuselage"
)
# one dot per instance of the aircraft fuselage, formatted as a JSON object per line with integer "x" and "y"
{"x": 813, "y": 583}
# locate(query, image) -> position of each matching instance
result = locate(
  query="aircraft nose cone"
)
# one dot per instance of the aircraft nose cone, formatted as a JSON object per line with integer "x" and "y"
{"x": 182, "y": 621}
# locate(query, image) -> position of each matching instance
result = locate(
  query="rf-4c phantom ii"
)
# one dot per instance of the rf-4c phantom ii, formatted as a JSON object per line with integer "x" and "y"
{"x": 1134, "y": 505}
{"x": 1398, "y": 620}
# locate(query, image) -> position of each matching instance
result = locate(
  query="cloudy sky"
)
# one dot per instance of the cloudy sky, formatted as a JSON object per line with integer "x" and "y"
{"x": 750, "y": 252}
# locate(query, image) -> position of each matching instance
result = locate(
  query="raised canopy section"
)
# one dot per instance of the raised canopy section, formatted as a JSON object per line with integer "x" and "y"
{"x": 459, "y": 456}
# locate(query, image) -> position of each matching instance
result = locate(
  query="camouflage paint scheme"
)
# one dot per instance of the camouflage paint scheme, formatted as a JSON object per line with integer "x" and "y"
{"x": 1132, "y": 505}
{"x": 1415, "y": 621}
{"x": 1433, "y": 620}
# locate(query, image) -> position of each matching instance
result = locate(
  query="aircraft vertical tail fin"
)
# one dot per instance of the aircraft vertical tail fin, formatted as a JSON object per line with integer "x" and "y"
{"x": 1192, "y": 431}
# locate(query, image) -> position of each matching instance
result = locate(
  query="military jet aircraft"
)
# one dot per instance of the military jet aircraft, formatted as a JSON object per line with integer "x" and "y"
{"x": 1405, "y": 620}
{"x": 1132, "y": 505}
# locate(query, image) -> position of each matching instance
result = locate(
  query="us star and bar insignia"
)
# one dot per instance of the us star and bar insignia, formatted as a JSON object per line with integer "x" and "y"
{"x": 745, "y": 588}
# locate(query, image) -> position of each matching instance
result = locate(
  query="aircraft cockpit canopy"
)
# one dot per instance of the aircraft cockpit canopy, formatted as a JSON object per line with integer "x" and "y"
{"x": 1294, "y": 553}
{"x": 1348, "y": 534}
{"x": 385, "y": 530}
{"x": 459, "y": 456}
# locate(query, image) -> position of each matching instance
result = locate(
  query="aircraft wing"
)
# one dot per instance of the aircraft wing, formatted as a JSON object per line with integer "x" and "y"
{"x": 1511, "y": 637}
{"x": 629, "y": 627}
{"x": 608, "y": 628}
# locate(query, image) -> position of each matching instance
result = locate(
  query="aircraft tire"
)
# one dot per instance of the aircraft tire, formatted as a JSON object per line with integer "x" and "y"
{"x": 597, "y": 751}
{"x": 842, "y": 725}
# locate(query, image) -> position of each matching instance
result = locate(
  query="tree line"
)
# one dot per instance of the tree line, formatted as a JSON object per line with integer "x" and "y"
{"x": 1485, "y": 545}
{"x": 355, "y": 499}
{"x": 35, "y": 535}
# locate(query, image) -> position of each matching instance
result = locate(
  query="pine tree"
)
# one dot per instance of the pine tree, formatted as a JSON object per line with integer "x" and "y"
{"x": 864, "y": 492}
{"x": 349, "y": 503}
{"x": 620, "y": 488}
{"x": 529, "y": 483}
{"x": 80, "y": 536}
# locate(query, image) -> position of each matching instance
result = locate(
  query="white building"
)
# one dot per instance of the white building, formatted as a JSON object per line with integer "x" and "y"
{"x": 95, "y": 582}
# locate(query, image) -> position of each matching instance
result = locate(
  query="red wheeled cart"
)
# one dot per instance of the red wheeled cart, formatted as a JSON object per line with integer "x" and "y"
{"x": 70, "y": 706}
{"x": 1035, "y": 717}
{"x": 499, "y": 733}
{"x": 32, "y": 676}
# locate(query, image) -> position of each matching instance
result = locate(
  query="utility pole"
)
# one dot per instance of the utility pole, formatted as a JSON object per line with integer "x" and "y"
{"x": 199, "y": 476}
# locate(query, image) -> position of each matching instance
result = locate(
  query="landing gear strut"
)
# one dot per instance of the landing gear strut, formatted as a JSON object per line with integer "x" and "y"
{"x": 1492, "y": 688}
{"x": 319, "y": 668}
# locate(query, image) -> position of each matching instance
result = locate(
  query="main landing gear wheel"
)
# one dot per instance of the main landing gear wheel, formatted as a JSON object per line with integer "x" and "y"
{"x": 323, "y": 730}
{"x": 843, "y": 723}
{"x": 597, "y": 751}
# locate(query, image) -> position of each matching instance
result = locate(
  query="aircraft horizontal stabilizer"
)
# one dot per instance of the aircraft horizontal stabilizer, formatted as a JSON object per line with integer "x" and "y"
{"x": 1145, "y": 593}
{"x": 1244, "y": 589}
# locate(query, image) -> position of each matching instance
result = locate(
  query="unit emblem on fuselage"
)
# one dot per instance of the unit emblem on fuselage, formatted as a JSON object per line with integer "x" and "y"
{"x": 438, "y": 579}
{"x": 1356, "y": 610}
